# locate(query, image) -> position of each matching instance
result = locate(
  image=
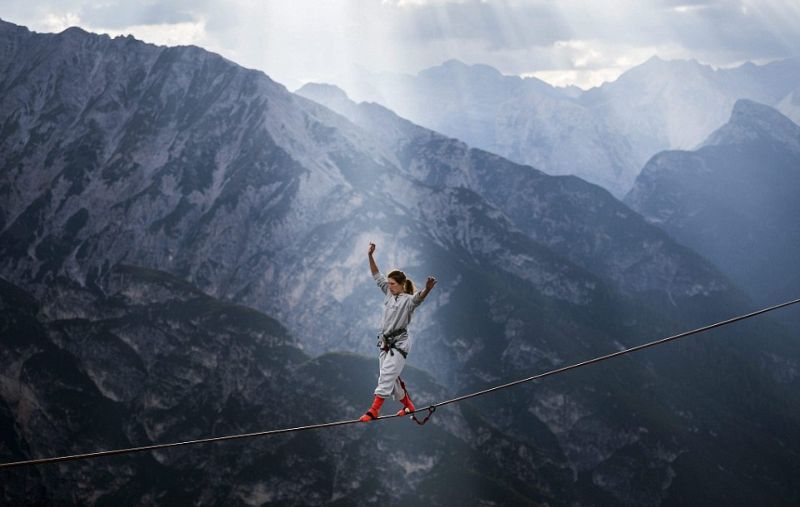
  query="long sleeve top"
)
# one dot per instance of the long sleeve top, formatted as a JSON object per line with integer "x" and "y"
{"x": 397, "y": 310}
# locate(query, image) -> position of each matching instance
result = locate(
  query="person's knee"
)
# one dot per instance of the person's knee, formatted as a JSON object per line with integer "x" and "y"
{"x": 384, "y": 391}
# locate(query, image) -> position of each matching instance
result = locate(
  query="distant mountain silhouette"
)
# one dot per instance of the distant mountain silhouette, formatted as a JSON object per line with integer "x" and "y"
{"x": 734, "y": 200}
{"x": 604, "y": 135}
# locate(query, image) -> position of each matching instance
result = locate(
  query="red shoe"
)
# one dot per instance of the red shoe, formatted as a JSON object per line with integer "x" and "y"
{"x": 408, "y": 406}
{"x": 374, "y": 410}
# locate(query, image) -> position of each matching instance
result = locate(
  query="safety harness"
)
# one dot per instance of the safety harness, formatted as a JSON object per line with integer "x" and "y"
{"x": 388, "y": 342}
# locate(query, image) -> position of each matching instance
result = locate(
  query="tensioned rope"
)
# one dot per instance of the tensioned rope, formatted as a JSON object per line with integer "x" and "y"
{"x": 430, "y": 408}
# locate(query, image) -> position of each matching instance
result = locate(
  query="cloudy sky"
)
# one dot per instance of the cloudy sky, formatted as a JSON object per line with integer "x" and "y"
{"x": 564, "y": 42}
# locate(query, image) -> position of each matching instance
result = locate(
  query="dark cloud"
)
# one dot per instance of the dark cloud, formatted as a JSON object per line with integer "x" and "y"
{"x": 735, "y": 29}
{"x": 500, "y": 25}
{"x": 516, "y": 36}
{"x": 27, "y": 11}
{"x": 670, "y": 4}
{"x": 122, "y": 14}
{"x": 715, "y": 31}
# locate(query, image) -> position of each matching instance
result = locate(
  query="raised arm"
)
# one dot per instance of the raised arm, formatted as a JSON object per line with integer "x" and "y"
{"x": 372, "y": 266}
{"x": 379, "y": 279}
{"x": 421, "y": 295}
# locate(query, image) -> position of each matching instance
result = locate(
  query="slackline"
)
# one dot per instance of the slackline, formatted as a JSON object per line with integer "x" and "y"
{"x": 430, "y": 409}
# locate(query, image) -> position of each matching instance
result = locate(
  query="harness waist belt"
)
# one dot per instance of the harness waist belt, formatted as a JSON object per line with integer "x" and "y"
{"x": 387, "y": 344}
{"x": 396, "y": 332}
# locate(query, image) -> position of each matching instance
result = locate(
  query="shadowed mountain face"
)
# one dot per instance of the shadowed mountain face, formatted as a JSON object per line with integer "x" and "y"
{"x": 139, "y": 357}
{"x": 734, "y": 200}
{"x": 178, "y": 160}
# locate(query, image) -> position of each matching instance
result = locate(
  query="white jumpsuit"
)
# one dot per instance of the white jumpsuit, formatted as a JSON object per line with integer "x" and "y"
{"x": 397, "y": 312}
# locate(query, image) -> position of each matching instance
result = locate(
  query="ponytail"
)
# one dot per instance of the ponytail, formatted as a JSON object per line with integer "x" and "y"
{"x": 401, "y": 278}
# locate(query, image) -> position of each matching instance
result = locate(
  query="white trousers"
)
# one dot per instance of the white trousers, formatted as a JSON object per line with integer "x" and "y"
{"x": 388, "y": 380}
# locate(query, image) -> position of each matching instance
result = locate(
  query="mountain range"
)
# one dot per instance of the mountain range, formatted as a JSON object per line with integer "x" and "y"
{"x": 234, "y": 199}
{"x": 605, "y": 135}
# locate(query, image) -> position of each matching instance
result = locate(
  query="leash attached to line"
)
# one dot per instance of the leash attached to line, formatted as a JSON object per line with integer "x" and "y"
{"x": 431, "y": 409}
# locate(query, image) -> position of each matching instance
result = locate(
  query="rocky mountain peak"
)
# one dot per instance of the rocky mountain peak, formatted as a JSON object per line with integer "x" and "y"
{"x": 74, "y": 31}
{"x": 654, "y": 60}
{"x": 331, "y": 96}
{"x": 656, "y": 68}
{"x": 748, "y": 66}
{"x": 9, "y": 32}
{"x": 754, "y": 122}
{"x": 323, "y": 91}
{"x": 453, "y": 63}
{"x": 456, "y": 68}
{"x": 7, "y": 25}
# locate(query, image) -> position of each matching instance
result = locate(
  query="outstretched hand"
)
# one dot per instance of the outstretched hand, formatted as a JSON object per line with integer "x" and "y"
{"x": 430, "y": 283}
{"x": 371, "y": 249}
